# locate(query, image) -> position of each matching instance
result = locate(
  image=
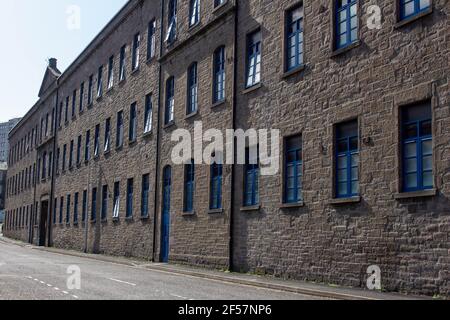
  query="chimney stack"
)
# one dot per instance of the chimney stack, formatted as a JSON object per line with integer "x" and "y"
{"x": 52, "y": 63}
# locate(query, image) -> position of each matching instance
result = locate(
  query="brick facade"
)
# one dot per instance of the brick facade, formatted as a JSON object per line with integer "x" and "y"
{"x": 323, "y": 238}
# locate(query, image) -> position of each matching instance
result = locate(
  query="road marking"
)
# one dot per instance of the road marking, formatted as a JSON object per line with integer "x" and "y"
{"x": 181, "y": 297}
{"x": 42, "y": 282}
{"x": 65, "y": 292}
{"x": 124, "y": 282}
{"x": 37, "y": 280}
{"x": 57, "y": 289}
{"x": 74, "y": 296}
{"x": 49, "y": 285}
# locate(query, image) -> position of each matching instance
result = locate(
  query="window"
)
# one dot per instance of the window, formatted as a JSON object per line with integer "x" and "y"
{"x": 189, "y": 183}
{"x": 133, "y": 123}
{"x": 61, "y": 209}
{"x": 417, "y": 146}
{"x": 90, "y": 88}
{"x": 104, "y": 202}
{"x": 170, "y": 100}
{"x": 219, "y": 3}
{"x": 151, "y": 41}
{"x": 81, "y": 97}
{"x": 145, "y": 194}
{"x": 136, "y": 49}
{"x": 193, "y": 89}
{"x": 75, "y": 208}
{"x": 172, "y": 22}
{"x": 409, "y": 8}
{"x": 87, "y": 155}
{"x": 84, "y": 209}
{"x": 148, "y": 117}
{"x": 79, "y": 150}
{"x": 347, "y": 160}
{"x": 346, "y": 23}
{"x": 66, "y": 115}
{"x": 111, "y": 72}
{"x": 251, "y": 178}
{"x": 194, "y": 12}
{"x": 294, "y": 38}
{"x": 119, "y": 132}
{"x": 219, "y": 75}
{"x": 130, "y": 198}
{"x": 50, "y": 166}
{"x": 58, "y": 152}
{"x": 100, "y": 82}
{"x": 253, "y": 59}
{"x": 71, "y": 154}
{"x": 68, "y": 209}
{"x": 293, "y": 170}
{"x": 122, "y": 75}
{"x": 74, "y": 103}
{"x": 97, "y": 141}
{"x": 94, "y": 205}
{"x": 116, "y": 208}
{"x": 64, "y": 158}
{"x": 44, "y": 169}
{"x": 216, "y": 186}
{"x": 107, "y": 135}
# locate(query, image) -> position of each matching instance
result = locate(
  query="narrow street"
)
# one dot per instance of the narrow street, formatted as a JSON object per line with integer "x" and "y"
{"x": 30, "y": 274}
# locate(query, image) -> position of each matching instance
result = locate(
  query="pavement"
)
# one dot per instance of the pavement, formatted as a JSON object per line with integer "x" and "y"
{"x": 35, "y": 273}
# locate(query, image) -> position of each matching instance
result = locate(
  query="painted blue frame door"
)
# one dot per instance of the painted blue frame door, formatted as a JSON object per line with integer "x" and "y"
{"x": 165, "y": 220}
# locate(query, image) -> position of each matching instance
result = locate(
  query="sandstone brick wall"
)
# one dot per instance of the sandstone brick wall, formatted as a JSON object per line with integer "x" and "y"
{"x": 319, "y": 240}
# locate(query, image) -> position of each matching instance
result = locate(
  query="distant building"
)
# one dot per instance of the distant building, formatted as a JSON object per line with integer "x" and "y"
{"x": 5, "y": 128}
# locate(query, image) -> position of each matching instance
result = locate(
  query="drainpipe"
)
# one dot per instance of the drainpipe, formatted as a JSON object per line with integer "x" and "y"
{"x": 51, "y": 206}
{"x": 156, "y": 197}
{"x": 233, "y": 168}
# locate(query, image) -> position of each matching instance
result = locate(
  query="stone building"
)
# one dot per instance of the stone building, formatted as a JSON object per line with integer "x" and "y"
{"x": 5, "y": 128}
{"x": 363, "y": 112}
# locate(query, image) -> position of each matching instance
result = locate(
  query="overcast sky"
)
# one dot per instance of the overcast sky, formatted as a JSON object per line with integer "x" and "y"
{"x": 31, "y": 32}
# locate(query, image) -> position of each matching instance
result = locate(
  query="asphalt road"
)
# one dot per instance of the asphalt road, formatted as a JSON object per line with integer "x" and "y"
{"x": 30, "y": 274}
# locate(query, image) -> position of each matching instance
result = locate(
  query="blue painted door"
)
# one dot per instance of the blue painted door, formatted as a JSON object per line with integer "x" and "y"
{"x": 165, "y": 220}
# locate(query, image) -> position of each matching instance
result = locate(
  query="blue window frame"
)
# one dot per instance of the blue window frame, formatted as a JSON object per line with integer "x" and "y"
{"x": 116, "y": 206}
{"x": 81, "y": 97}
{"x": 71, "y": 154}
{"x": 61, "y": 210}
{"x": 294, "y": 38}
{"x": 417, "y": 145}
{"x": 151, "y": 40}
{"x": 219, "y": 75}
{"x": 64, "y": 158}
{"x": 136, "y": 50}
{"x": 66, "y": 114}
{"x": 68, "y": 209}
{"x": 347, "y": 160}
{"x": 194, "y": 12}
{"x": 86, "y": 148}
{"x": 189, "y": 184}
{"x": 100, "y": 82}
{"x": 104, "y": 202}
{"x": 216, "y": 186}
{"x": 79, "y": 149}
{"x": 145, "y": 195}
{"x": 90, "y": 88}
{"x": 97, "y": 141}
{"x": 133, "y": 123}
{"x": 293, "y": 170}
{"x": 119, "y": 130}
{"x": 409, "y": 8}
{"x": 122, "y": 71}
{"x": 148, "y": 116}
{"x": 251, "y": 178}
{"x": 170, "y": 100}
{"x": 94, "y": 205}
{"x": 193, "y": 89}
{"x": 107, "y": 144}
{"x": 75, "y": 208}
{"x": 253, "y": 59}
{"x": 346, "y": 23}
{"x": 130, "y": 190}
{"x": 74, "y": 103}
{"x": 172, "y": 22}
{"x": 84, "y": 208}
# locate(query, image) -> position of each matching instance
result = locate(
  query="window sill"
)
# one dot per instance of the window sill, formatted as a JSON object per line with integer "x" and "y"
{"x": 74, "y": 118}
{"x": 119, "y": 148}
{"x": 129, "y": 219}
{"x": 79, "y": 165}
{"x": 218, "y": 103}
{"x": 195, "y": 26}
{"x": 219, "y": 7}
{"x": 110, "y": 90}
{"x": 416, "y": 194}
{"x": 294, "y": 71}
{"x": 89, "y": 106}
{"x": 132, "y": 142}
{"x": 99, "y": 98}
{"x": 343, "y": 50}
{"x": 96, "y": 157}
{"x": 169, "y": 125}
{"x": 86, "y": 162}
{"x": 147, "y": 134}
{"x": 411, "y": 19}
{"x": 215, "y": 211}
{"x": 107, "y": 152}
{"x": 116, "y": 220}
{"x": 251, "y": 208}
{"x": 189, "y": 214}
{"x": 93, "y": 221}
{"x": 191, "y": 115}
{"x": 122, "y": 82}
{"x": 292, "y": 205}
{"x": 145, "y": 218}
{"x": 252, "y": 88}
{"x": 150, "y": 60}
{"x": 135, "y": 71}
{"x": 350, "y": 200}
{"x": 104, "y": 220}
